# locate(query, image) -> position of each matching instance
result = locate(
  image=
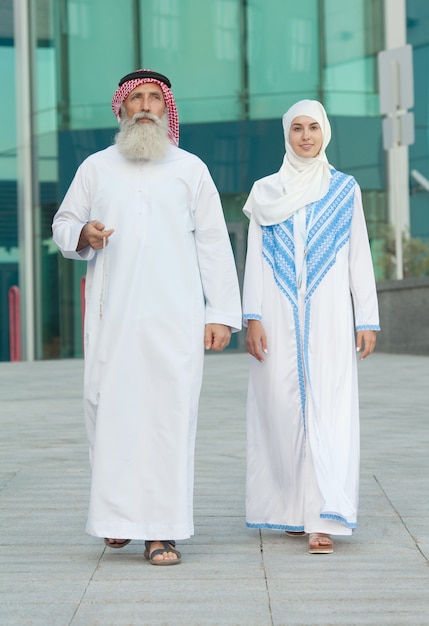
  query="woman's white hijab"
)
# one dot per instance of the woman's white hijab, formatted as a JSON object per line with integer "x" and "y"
{"x": 300, "y": 180}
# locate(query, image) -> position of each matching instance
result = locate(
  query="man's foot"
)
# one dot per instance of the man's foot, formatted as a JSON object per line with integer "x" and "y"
{"x": 162, "y": 552}
{"x": 116, "y": 543}
{"x": 320, "y": 543}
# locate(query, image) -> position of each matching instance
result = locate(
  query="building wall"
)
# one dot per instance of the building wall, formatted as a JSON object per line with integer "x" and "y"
{"x": 235, "y": 65}
{"x": 418, "y": 37}
{"x": 403, "y": 316}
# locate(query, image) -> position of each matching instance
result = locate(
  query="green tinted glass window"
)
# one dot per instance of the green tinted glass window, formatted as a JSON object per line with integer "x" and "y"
{"x": 283, "y": 49}
{"x": 197, "y": 45}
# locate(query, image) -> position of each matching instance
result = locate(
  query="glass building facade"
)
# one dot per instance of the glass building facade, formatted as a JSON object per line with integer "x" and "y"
{"x": 235, "y": 67}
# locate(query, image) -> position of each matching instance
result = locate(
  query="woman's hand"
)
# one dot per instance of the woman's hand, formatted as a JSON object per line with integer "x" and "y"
{"x": 367, "y": 340}
{"x": 256, "y": 340}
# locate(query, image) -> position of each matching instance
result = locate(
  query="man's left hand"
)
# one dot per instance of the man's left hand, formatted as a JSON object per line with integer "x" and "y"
{"x": 216, "y": 336}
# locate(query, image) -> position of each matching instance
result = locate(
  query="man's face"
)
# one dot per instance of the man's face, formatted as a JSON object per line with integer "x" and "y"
{"x": 146, "y": 98}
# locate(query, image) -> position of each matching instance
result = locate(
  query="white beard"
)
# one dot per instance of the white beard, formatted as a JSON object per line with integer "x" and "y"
{"x": 142, "y": 140}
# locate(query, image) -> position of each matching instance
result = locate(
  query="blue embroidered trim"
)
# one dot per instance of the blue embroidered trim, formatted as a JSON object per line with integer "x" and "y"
{"x": 300, "y": 367}
{"x": 330, "y": 230}
{"x": 328, "y": 516}
{"x": 328, "y": 234}
{"x": 368, "y": 327}
{"x": 276, "y": 527}
{"x": 338, "y": 518}
{"x": 278, "y": 249}
{"x": 252, "y": 316}
{"x": 307, "y": 317}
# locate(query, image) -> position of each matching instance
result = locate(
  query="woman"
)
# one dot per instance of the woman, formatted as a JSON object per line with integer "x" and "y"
{"x": 309, "y": 285}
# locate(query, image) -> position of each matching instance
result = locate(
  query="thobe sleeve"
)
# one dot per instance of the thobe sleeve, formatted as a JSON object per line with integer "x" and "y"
{"x": 361, "y": 271}
{"x": 215, "y": 257}
{"x": 71, "y": 217}
{"x": 253, "y": 275}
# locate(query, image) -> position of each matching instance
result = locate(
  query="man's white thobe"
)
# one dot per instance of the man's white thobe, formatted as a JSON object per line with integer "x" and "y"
{"x": 167, "y": 270}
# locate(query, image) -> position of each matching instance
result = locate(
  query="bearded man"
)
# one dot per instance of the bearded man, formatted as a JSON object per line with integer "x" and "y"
{"x": 161, "y": 286}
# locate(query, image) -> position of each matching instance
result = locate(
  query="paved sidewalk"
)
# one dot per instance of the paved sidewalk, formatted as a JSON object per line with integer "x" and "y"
{"x": 52, "y": 573}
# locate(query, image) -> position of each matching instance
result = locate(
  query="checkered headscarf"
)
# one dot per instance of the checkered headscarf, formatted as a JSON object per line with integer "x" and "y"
{"x": 133, "y": 80}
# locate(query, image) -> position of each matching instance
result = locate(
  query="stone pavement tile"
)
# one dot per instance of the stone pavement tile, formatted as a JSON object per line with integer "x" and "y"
{"x": 374, "y": 505}
{"x": 404, "y": 487}
{"x": 178, "y": 591}
{"x": 34, "y": 531}
{"x": 372, "y": 611}
{"x": 189, "y": 613}
{"x": 59, "y": 591}
{"x": 198, "y": 563}
{"x": 220, "y": 504}
{"x": 418, "y": 527}
{"x": 49, "y": 613}
{"x": 223, "y": 534}
{"x": 49, "y": 562}
{"x": 48, "y": 525}
{"x": 355, "y": 586}
{"x": 343, "y": 563}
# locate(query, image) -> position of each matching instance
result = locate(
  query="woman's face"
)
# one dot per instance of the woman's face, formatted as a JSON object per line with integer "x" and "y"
{"x": 305, "y": 136}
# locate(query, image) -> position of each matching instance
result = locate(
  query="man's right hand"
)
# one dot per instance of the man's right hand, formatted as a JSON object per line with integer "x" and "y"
{"x": 92, "y": 234}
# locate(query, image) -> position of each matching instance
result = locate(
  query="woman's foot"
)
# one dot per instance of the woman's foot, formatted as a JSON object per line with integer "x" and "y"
{"x": 295, "y": 533}
{"x": 320, "y": 543}
{"x": 116, "y": 543}
{"x": 162, "y": 552}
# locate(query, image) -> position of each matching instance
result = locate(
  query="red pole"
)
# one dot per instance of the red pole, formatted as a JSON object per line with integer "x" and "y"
{"x": 82, "y": 310}
{"x": 14, "y": 324}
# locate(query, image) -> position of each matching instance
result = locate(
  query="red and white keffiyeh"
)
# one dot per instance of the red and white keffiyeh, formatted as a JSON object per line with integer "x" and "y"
{"x": 123, "y": 91}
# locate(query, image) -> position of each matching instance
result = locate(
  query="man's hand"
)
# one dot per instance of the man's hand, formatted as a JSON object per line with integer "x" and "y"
{"x": 92, "y": 234}
{"x": 216, "y": 337}
{"x": 256, "y": 340}
{"x": 367, "y": 339}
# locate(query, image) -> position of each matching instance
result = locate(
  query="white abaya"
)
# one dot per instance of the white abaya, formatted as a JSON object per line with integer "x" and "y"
{"x": 167, "y": 270}
{"x": 302, "y": 408}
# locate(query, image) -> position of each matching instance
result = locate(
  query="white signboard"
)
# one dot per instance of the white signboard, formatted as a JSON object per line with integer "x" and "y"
{"x": 395, "y": 79}
{"x": 398, "y": 130}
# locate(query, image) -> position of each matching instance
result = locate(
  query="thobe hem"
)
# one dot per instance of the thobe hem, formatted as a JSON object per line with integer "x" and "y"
{"x": 139, "y": 531}
{"x": 330, "y": 527}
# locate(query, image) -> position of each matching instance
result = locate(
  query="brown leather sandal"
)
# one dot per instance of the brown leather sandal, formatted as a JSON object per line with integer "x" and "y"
{"x": 116, "y": 544}
{"x": 168, "y": 546}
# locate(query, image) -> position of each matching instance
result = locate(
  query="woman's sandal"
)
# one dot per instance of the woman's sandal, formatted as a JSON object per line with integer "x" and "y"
{"x": 321, "y": 548}
{"x": 295, "y": 533}
{"x": 116, "y": 544}
{"x": 168, "y": 546}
